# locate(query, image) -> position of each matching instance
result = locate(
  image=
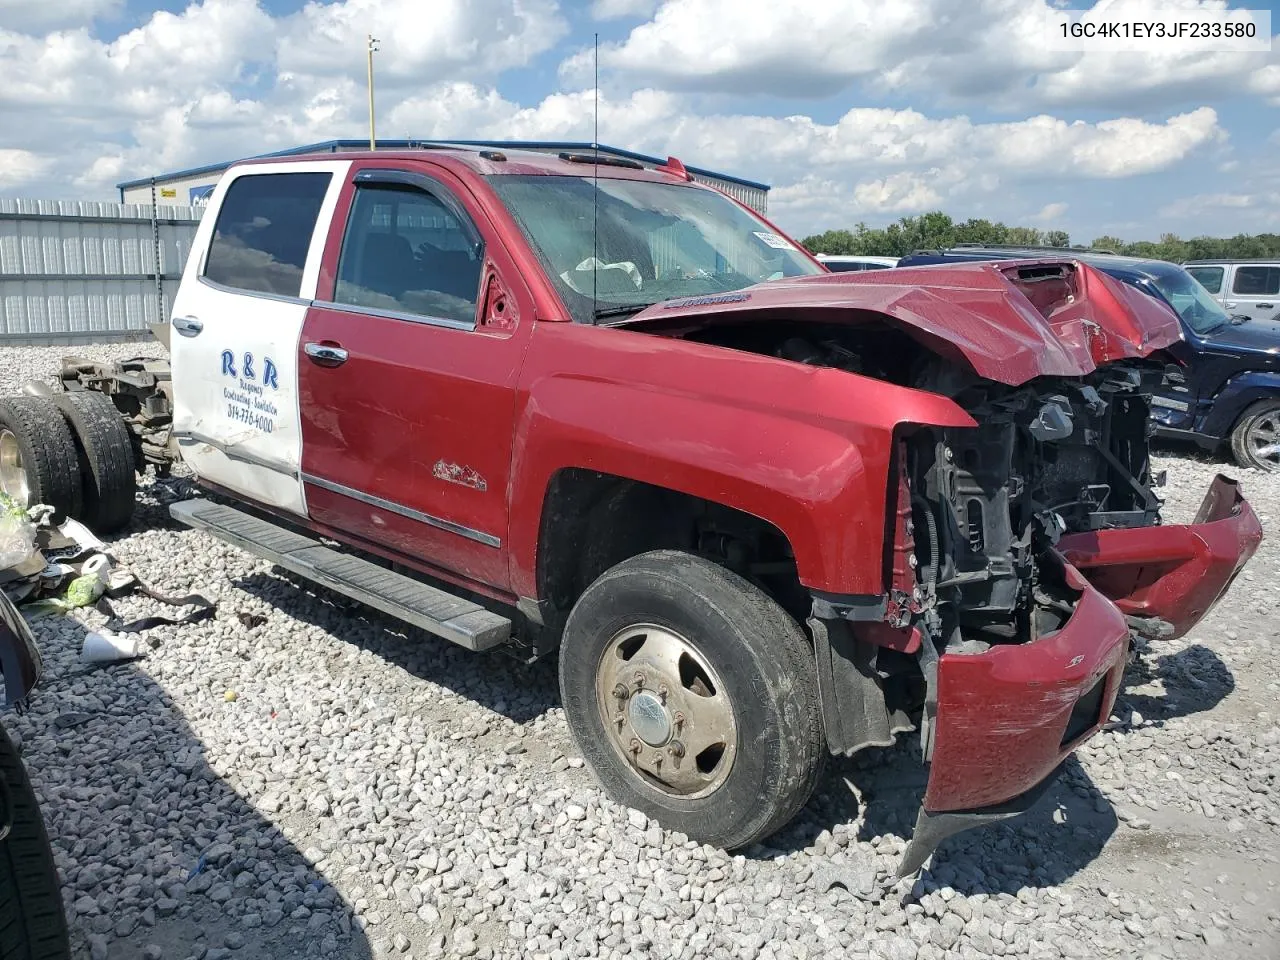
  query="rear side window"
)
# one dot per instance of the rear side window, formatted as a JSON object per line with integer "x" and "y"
{"x": 264, "y": 230}
{"x": 1209, "y": 277}
{"x": 842, "y": 266}
{"x": 1257, "y": 281}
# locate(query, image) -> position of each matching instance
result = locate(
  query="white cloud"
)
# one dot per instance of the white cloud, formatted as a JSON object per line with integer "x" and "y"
{"x": 869, "y": 162}
{"x": 614, "y": 9}
{"x": 224, "y": 78}
{"x": 899, "y": 191}
{"x": 1050, "y": 213}
{"x": 989, "y": 52}
{"x": 34, "y": 15}
{"x": 863, "y": 139}
{"x": 420, "y": 43}
{"x": 19, "y": 166}
{"x": 1200, "y": 204}
{"x": 1265, "y": 81}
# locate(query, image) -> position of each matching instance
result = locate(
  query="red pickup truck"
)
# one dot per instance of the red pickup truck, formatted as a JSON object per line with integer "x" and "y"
{"x": 765, "y": 512}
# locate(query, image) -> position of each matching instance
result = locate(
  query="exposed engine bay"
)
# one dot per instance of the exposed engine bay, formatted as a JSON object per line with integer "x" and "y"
{"x": 986, "y": 505}
{"x": 1049, "y": 458}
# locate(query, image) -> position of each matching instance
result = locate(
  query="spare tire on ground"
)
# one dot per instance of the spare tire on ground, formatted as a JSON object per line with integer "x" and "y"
{"x": 38, "y": 456}
{"x": 105, "y": 451}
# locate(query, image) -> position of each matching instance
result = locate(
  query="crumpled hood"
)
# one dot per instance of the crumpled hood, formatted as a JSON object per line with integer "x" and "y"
{"x": 1009, "y": 320}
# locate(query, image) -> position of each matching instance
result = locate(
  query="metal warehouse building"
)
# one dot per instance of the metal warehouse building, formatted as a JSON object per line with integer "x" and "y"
{"x": 194, "y": 186}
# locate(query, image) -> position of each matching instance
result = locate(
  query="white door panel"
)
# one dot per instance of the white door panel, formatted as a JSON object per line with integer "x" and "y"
{"x": 235, "y": 351}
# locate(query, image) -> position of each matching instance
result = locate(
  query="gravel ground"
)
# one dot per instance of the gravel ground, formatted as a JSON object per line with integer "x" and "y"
{"x": 325, "y": 783}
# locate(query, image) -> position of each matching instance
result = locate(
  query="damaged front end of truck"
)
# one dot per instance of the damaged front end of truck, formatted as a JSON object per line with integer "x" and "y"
{"x": 1021, "y": 552}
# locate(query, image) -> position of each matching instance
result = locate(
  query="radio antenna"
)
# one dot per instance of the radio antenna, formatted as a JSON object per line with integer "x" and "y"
{"x": 595, "y": 181}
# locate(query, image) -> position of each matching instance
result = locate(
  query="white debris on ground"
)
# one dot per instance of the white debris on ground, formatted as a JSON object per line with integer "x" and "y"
{"x": 302, "y": 777}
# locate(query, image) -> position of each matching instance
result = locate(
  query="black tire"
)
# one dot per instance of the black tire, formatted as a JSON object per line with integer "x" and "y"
{"x": 32, "y": 924}
{"x": 763, "y": 662}
{"x": 1241, "y": 448}
{"x": 106, "y": 459}
{"x": 48, "y": 453}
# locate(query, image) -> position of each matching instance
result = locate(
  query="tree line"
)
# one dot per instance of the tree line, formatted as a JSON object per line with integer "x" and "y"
{"x": 936, "y": 231}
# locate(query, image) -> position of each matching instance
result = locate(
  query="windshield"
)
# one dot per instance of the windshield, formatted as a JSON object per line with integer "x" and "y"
{"x": 643, "y": 242}
{"x": 1195, "y": 305}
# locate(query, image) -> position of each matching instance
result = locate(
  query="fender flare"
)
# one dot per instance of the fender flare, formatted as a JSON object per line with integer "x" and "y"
{"x": 1236, "y": 396}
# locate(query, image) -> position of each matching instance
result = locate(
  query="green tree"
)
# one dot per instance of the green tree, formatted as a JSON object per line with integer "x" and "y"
{"x": 832, "y": 241}
{"x": 981, "y": 231}
{"x": 936, "y": 230}
{"x": 1024, "y": 237}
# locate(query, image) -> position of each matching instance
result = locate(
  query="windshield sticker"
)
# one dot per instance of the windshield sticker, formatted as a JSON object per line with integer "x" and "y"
{"x": 775, "y": 241}
{"x": 706, "y": 301}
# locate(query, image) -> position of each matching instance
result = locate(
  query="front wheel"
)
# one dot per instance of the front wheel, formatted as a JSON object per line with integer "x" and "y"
{"x": 693, "y": 697}
{"x": 1255, "y": 441}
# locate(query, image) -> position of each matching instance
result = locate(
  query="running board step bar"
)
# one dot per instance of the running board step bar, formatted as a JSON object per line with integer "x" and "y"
{"x": 452, "y": 618}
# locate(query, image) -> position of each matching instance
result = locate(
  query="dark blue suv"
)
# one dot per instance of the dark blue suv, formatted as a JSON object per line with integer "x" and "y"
{"x": 1230, "y": 391}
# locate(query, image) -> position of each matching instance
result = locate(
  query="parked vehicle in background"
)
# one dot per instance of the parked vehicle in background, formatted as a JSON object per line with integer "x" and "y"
{"x": 1249, "y": 288}
{"x": 1229, "y": 390}
{"x": 34, "y": 926}
{"x": 765, "y": 513}
{"x": 838, "y": 263}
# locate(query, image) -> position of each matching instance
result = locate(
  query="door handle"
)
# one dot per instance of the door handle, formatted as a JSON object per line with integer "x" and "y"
{"x": 187, "y": 326}
{"x": 1229, "y": 303}
{"x": 1264, "y": 306}
{"x": 325, "y": 354}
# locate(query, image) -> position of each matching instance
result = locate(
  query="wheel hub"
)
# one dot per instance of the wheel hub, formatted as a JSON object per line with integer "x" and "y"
{"x": 665, "y": 711}
{"x": 13, "y": 475}
{"x": 649, "y": 719}
{"x": 1264, "y": 439}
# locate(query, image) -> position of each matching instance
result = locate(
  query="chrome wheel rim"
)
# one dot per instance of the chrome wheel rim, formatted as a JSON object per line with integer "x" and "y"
{"x": 13, "y": 475}
{"x": 665, "y": 711}
{"x": 1263, "y": 440}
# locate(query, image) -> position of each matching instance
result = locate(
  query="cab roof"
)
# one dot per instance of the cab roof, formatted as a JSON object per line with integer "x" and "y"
{"x": 331, "y": 148}
{"x": 494, "y": 162}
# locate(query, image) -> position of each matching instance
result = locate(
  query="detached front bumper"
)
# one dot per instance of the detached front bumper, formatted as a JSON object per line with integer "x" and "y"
{"x": 1173, "y": 573}
{"x": 1008, "y": 717}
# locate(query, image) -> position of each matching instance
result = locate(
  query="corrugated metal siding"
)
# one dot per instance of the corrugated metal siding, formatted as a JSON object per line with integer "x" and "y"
{"x": 76, "y": 270}
{"x": 756, "y": 199}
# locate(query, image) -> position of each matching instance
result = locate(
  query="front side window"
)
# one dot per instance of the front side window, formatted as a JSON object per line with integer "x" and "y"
{"x": 263, "y": 232}
{"x": 613, "y": 246}
{"x": 1256, "y": 281}
{"x": 406, "y": 252}
{"x": 1209, "y": 277}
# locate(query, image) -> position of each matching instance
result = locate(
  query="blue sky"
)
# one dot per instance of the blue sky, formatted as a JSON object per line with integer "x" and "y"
{"x": 854, "y": 110}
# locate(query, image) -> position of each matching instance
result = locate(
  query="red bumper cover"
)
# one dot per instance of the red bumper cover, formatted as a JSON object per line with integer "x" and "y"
{"x": 1003, "y": 714}
{"x": 1175, "y": 573}
{"x": 1008, "y": 716}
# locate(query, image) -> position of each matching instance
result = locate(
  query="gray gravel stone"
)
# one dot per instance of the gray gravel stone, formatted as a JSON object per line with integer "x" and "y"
{"x": 369, "y": 783}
